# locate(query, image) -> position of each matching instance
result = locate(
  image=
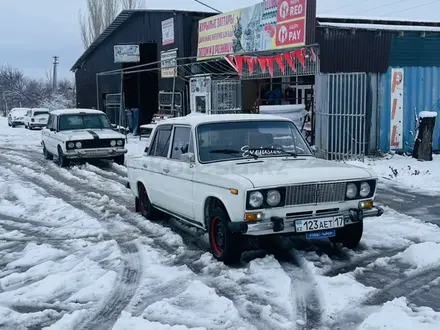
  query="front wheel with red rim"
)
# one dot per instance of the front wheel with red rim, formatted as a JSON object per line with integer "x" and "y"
{"x": 225, "y": 245}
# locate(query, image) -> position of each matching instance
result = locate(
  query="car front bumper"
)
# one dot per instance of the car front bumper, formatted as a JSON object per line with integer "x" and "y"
{"x": 282, "y": 225}
{"x": 95, "y": 153}
{"x": 17, "y": 122}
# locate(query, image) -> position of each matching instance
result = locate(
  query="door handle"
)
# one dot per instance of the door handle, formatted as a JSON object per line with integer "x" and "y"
{"x": 145, "y": 165}
{"x": 166, "y": 170}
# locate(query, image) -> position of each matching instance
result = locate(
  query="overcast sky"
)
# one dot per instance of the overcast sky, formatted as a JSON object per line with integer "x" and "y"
{"x": 35, "y": 30}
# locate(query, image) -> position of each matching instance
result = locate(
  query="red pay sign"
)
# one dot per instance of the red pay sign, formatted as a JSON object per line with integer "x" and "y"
{"x": 291, "y": 33}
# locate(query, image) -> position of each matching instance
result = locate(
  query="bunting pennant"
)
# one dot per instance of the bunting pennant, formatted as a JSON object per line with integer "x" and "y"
{"x": 279, "y": 60}
{"x": 250, "y": 62}
{"x": 289, "y": 60}
{"x": 313, "y": 55}
{"x": 269, "y": 61}
{"x": 299, "y": 54}
{"x": 239, "y": 64}
{"x": 262, "y": 61}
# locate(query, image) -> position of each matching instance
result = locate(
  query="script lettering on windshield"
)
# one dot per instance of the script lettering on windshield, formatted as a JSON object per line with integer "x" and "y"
{"x": 246, "y": 151}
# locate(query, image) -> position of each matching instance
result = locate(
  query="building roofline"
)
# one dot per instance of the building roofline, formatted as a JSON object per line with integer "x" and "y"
{"x": 117, "y": 22}
{"x": 371, "y": 20}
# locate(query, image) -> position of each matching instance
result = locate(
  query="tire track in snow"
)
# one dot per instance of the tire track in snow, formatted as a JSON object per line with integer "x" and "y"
{"x": 109, "y": 310}
{"x": 90, "y": 205}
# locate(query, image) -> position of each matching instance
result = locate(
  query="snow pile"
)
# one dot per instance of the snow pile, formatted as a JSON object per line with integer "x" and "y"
{"x": 428, "y": 114}
{"x": 397, "y": 315}
{"x": 406, "y": 172}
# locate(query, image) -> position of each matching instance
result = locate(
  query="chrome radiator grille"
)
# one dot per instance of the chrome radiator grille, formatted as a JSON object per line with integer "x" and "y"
{"x": 315, "y": 193}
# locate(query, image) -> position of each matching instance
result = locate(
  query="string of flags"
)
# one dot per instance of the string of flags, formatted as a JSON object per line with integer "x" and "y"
{"x": 266, "y": 63}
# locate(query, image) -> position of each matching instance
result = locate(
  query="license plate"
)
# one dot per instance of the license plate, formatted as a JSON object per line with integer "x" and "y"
{"x": 321, "y": 234}
{"x": 319, "y": 224}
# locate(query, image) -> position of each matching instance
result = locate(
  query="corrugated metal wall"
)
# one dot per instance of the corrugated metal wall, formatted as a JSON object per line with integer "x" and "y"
{"x": 412, "y": 50}
{"x": 343, "y": 51}
{"x": 421, "y": 93}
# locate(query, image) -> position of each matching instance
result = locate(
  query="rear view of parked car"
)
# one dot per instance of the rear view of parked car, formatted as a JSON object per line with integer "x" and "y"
{"x": 16, "y": 116}
{"x": 36, "y": 118}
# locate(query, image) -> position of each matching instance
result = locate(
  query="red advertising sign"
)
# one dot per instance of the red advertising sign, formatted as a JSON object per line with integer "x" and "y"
{"x": 290, "y": 33}
{"x": 288, "y": 10}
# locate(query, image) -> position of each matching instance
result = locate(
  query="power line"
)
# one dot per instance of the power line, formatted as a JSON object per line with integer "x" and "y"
{"x": 340, "y": 7}
{"x": 207, "y": 6}
{"x": 378, "y": 7}
{"x": 409, "y": 8}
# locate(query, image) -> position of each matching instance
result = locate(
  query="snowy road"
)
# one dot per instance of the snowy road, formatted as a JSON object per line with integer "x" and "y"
{"x": 75, "y": 255}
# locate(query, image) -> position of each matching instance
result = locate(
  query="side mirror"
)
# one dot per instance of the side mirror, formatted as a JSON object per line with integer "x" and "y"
{"x": 146, "y": 149}
{"x": 189, "y": 157}
{"x": 314, "y": 149}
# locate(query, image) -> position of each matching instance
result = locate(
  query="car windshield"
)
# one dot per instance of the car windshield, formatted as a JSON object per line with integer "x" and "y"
{"x": 83, "y": 121}
{"x": 40, "y": 113}
{"x": 244, "y": 139}
{"x": 18, "y": 112}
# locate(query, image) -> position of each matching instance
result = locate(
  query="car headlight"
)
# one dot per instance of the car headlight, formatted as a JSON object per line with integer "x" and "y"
{"x": 113, "y": 143}
{"x": 78, "y": 145}
{"x": 365, "y": 189}
{"x": 120, "y": 142}
{"x": 273, "y": 197}
{"x": 351, "y": 191}
{"x": 71, "y": 145}
{"x": 256, "y": 199}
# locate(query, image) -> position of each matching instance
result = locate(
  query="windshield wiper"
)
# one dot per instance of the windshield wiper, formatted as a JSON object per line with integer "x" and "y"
{"x": 281, "y": 150}
{"x": 230, "y": 152}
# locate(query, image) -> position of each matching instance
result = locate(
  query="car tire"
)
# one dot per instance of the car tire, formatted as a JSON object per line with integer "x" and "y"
{"x": 225, "y": 245}
{"x": 47, "y": 154}
{"x": 120, "y": 160}
{"x": 349, "y": 236}
{"x": 62, "y": 161}
{"x": 144, "y": 206}
{"x": 9, "y": 124}
{"x": 12, "y": 125}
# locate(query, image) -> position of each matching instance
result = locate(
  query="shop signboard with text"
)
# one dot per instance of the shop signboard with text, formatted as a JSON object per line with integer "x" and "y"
{"x": 270, "y": 25}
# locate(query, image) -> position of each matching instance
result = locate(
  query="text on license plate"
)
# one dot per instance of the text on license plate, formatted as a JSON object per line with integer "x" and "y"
{"x": 319, "y": 224}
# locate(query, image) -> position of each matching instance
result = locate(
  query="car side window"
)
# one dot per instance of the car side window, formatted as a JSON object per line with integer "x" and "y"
{"x": 181, "y": 142}
{"x": 55, "y": 123}
{"x": 161, "y": 143}
{"x": 49, "y": 122}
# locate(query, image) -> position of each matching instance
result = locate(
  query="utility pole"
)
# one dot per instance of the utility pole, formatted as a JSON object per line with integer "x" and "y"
{"x": 54, "y": 75}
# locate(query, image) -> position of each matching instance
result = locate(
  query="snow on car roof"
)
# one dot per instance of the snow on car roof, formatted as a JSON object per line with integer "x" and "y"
{"x": 194, "y": 120}
{"x": 75, "y": 111}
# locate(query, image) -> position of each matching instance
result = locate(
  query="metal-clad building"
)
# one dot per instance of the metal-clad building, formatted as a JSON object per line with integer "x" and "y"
{"x": 143, "y": 28}
{"x": 396, "y": 65}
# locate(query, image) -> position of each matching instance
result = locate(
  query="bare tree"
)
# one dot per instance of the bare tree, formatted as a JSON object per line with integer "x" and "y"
{"x": 91, "y": 23}
{"x": 99, "y": 15}
{"x": 133, "y": 4}
{"x": 110, "y": 9}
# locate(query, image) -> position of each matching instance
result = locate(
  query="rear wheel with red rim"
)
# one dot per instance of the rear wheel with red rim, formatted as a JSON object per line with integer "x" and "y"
{"x": 144, "y": 206}
{"x": 225, "y": 245}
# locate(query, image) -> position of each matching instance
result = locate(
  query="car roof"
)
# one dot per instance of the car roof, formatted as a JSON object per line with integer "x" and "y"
{"x": 40, "y": 109}
{"x": 20, "y": 109}
{"x": 197, "y": 119}
{"x": 75, "y": 111}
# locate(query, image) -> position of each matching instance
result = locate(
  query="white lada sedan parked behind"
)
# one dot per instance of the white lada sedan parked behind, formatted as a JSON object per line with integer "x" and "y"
{"x": 81, "y": 134}
{"x": 254, "y": 175}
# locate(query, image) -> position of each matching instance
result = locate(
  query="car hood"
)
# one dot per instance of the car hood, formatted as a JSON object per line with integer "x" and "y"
{"x": 282, "y": 171}
{"x": 90, "y": 134}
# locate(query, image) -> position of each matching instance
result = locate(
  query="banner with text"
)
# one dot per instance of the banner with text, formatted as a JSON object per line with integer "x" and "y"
{"x": 168, "y": 64}
{"x": 270, "y": 25}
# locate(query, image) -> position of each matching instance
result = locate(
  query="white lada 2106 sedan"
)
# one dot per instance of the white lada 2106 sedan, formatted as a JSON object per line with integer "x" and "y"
{"x": 81, "y": 134}
{"x": 253, "y": 175}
